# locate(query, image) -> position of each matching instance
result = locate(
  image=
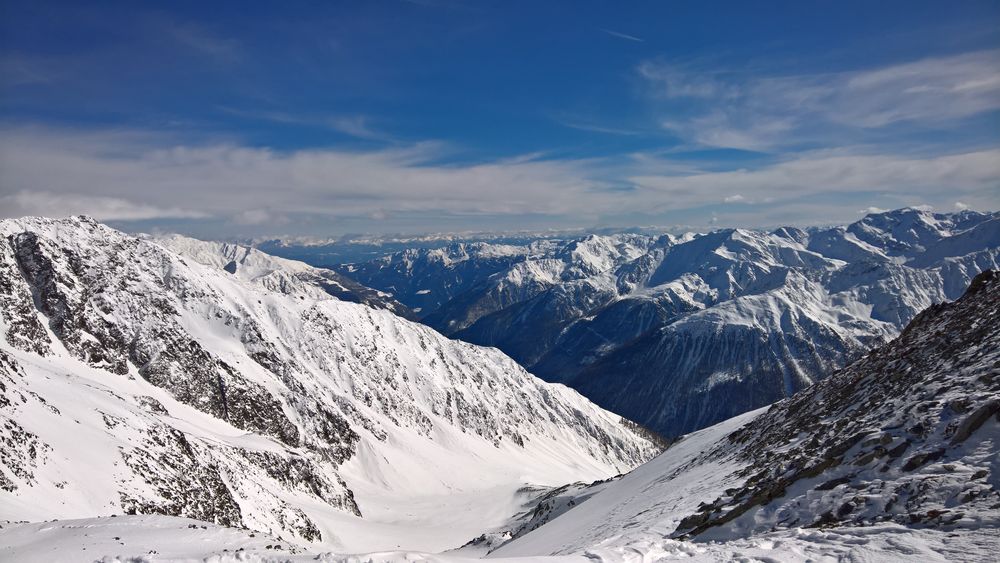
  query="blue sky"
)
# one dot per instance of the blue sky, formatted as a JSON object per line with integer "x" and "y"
{"x": 320, "y": 118}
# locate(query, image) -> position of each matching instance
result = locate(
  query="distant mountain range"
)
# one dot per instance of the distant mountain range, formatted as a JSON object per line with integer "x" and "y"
{"x": 680, "y": 332}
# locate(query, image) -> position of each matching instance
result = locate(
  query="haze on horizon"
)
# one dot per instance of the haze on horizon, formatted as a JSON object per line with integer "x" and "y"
{"x": 260, "y": 119}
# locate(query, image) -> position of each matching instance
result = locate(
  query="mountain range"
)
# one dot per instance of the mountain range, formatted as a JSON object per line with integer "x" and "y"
{"x": 680, "y": 332}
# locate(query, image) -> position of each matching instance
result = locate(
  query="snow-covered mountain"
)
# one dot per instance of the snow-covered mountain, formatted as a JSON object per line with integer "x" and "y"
{"x": 894, "y": 458}
{"x": 213, "y": 382}
{"x": 678, "y": 333}
{"x": 272, "y": 272}
{"x": 906, "y": 438}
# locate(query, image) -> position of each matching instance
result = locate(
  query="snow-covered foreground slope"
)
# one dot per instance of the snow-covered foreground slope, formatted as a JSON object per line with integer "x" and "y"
{"x": 679, "y": 333}
{"x": 153, "y": 539}
{"x": 138, "y": 380}
{"x": 136, "y": 539}
{"x": 907, "y": 436}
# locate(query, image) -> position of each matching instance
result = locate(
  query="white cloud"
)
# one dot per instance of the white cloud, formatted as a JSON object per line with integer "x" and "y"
{"x": 813, "y": 174}
{"x": 750, "y": 111}
{"x": 20, "y": 69}
{"x": 960, "y": 206}
{"x": 136, "y": 175}
{"x": 358, "y": 126}
{"x": 62, "y": 204}
{"x": 355, "y": 126}
{"x": 872, "y": 209}
{"x": 673, "y": 81}
{"x": 584, "y": 126}
{"x": 96, "y": 171}
{"x": 258, "y": 217}
{"x": 201, "y": 41}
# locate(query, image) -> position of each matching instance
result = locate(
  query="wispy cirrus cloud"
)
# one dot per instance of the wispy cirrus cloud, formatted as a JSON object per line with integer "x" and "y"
{"x": 727, "y": 108}
{"x": 200, "y": 40}
{"x": 358, "y": 126}
{"x": 19, "y": 69}
{"x": 598, "y": 128}
{"x": 621, "y": 35}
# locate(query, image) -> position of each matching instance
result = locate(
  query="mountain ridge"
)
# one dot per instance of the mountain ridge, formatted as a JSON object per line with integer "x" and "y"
{"x": 617, "y": 316}
{"x": 233, "y": 398}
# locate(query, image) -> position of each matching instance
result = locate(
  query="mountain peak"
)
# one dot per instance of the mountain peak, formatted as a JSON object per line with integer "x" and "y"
{"x": 222, "y": 396}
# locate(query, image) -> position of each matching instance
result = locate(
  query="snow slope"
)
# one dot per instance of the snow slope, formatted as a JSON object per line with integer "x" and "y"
{"x": 152, "y": 539}
{"x": 278, "y": 274}
{"x": 136, "y": 379}
{"x": 649, "y": 501}
{"x": 135, "y": 539}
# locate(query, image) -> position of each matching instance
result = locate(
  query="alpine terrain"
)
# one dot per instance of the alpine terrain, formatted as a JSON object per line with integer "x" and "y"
{"x": 901, "y": 447}
{"x": 681, "y": 332}
{"x": 175, "y": 377}
{"x": 442, "y": 281}
{"x": 894, "y": 457}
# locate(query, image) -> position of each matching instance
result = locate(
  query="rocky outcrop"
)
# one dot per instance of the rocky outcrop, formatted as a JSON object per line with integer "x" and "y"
{"x": 884, "y": 439}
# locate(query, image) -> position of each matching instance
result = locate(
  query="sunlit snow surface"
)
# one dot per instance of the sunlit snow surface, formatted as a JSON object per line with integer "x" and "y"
{"x": 630, "y": 525}
{"x": 446, "y": 435}
{"x": 151, "y": 539}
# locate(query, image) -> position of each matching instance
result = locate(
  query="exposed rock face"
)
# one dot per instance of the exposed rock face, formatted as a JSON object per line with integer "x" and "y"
{"x": 678, "y": 333}
{"x": 885, "y": 439}
{"x": 142, "y": 376}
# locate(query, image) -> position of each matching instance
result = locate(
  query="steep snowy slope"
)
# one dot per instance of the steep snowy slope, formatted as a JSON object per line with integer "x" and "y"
{"x": 908, "y": 436}
{"x": 680, "y": 333}
{"x": 138, "y": 380}
{"x": 277, "y": 274}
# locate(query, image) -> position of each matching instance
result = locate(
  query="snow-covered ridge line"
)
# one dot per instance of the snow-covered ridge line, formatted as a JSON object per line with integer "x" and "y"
{"x": 278, "y": 274}
{"x": 136, "y": 379}
{"x": 455, "y": 236}
{"x": 681, "y": 332}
